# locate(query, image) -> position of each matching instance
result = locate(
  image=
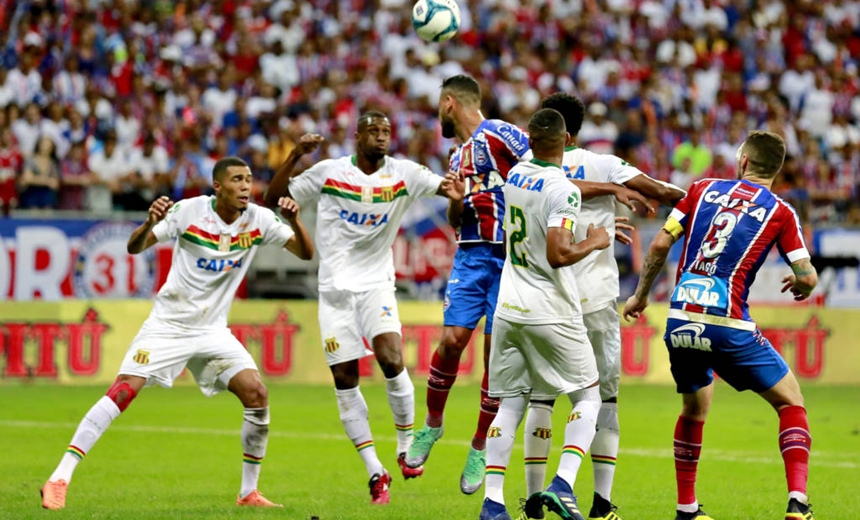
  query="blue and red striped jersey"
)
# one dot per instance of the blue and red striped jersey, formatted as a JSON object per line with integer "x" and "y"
{"x": 484, "y": 161}
{"x": 729, "y": 226}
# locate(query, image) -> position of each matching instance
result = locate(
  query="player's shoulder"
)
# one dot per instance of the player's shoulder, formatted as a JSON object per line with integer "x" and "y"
{"x": 785, "y": 206}
{"x": 512, "y": 135}
{"x": 192, "y": 205}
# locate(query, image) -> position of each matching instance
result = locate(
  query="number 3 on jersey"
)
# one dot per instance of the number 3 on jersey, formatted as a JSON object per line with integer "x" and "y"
{"x": 721, "y": 230}
{"x": 518, "y": 234}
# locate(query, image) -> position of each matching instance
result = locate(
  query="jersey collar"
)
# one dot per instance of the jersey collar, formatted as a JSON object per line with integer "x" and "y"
{"x": 570, "y": 148}
{"x": 545, "y": 164}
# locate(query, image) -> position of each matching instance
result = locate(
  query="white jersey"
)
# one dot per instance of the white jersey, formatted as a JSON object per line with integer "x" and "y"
{"x": 597, "y": 273}
{"x": 358, "y": 217}
{"x": 210, "y": 259}
{"x": 538, "y": 197}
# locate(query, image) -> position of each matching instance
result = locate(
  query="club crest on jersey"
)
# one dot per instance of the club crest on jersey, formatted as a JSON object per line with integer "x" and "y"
{"x": 741, "y": 205}
{"x": 493, "y": 432}
{"x": 331, "y": 345}
{"x": 218, "y": 265}
{"x": 244, "y": 240}
{"x": 364, "y": 219}
{"x": 574, "y": 416}
{"x": 542, "y": 433}
{"x": 526, "y": 182}
{"x": 142, "y": 357}
{"x": 689, "y": 336}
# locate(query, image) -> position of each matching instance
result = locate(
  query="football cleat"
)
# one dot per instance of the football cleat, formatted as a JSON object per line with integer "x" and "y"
{"x": 698, "y": 515}
{"x": 493, "y": 511}
{"x": 379, "y": 488}
{"x": 798, "y": 510}
{"x": 422, "y": 443}
{"x": 473, "y": 474}
{"x": 531, "y": 508}
{"x": 256, "y": 499}
{"x": 406, "y": 470}
{"x": 54, "y": 494}
{"x": 559, "y": 499}
{"x": 602, "y": 509}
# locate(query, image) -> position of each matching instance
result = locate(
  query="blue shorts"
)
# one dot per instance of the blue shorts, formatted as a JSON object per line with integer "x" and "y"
{"x": 744, "y": 359}
{"x": 473, "y": 287}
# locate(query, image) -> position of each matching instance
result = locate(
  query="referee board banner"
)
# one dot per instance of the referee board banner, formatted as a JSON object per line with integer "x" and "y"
{"x": 84, "y": 341}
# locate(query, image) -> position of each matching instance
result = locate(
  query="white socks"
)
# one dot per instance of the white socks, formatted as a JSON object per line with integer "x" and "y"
{"x": 500, "y": 442}
{"x": 353, "y": 415}
{"x": 93, "y": 425}
{"x": 255, "y": 436}
{"x": 579, "y": 432}
{"x": 538, "y": 441}
{"x": 604, "y": 449}
{"x": 401, "y": 399}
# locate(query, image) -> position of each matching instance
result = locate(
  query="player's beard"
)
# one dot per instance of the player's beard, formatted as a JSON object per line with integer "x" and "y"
{"x": 448, "y": 130}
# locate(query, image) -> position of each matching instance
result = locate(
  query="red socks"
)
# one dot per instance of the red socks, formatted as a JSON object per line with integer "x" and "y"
{"x": 443, "y": 373}
{"x": 489, "y": 409}
{"x": 688, "y": 446}
{"x": 794, "y": 443}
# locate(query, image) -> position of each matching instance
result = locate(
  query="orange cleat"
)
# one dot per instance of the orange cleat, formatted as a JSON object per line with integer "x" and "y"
{"x": 256, "y": 499}
{"x": 54, "y": 494}
{"x": 406, "y": 470}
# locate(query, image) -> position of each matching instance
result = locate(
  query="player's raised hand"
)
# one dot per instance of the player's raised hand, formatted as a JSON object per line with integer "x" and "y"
{"x": 308, "y": 143}
{"x": 620, "y": 228}
{"x": 158, "y": 210}
{"x": 790, "y": 282}
{"x": 634, "y": 307}
{"x": 453, "y": 186}
{"x": 289, "y": 208}
{"x": 627, "y": 197}
{"x": 599, "y": 235}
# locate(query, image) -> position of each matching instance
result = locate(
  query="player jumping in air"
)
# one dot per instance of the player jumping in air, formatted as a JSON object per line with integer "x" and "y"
{"x": 729, "y": 228}
{"x": 597, "y": 281}
{"x": 217, "y": 240}
{"x": 360, "y": 201}
{"x": 540, "y": 347}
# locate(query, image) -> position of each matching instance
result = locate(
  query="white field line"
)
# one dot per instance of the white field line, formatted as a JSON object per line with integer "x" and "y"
{"x": 819, "y": 459}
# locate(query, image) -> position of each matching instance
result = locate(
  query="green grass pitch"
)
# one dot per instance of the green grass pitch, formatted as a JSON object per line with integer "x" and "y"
{"x": 176, "y": 454}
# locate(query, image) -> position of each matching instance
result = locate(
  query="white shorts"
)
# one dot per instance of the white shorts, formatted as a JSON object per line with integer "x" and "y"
{"x": 545, "y": 361}
{"x": 604, "y": 332}
{"x": 347, "y": 318}
{"x": 160, "y": 352}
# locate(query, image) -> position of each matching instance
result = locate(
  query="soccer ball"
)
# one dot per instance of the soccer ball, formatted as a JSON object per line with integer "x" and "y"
{"x": 436, "y": 20}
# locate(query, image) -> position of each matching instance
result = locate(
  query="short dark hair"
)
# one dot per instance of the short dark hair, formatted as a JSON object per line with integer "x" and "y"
{"x": 570, "y": 107}
{"x": 546, "y": 129}
{"x": 464, "y": 88}
{"x": 224, "y": 164}
{"x": 765, "y": 152}
{"x": 365, "y": 118}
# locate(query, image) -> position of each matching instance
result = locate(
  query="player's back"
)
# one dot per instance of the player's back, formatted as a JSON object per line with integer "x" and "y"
{"x": 730, "y": 226}
{"x": 531, "y": 290}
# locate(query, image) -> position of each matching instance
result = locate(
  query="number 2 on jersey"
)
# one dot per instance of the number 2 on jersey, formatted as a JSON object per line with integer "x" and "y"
{"x": 518, "y": 219}
{"x": 721, "y": 230}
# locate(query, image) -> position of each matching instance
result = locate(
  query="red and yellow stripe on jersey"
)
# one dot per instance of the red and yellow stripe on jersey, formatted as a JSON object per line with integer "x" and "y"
{"x": 376, "y": 194}
{"x": 211, "y": 240}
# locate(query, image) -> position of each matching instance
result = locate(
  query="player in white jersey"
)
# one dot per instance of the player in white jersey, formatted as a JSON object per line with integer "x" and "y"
{"x": 360, "y": 202}
{"x": 539, "y": 347}
{"x": 597, "y": 279}
{"x": 217, "y": 237}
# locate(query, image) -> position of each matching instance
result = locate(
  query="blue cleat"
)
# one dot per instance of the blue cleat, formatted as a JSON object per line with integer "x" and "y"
{"x": 559, "y": 499}
{"x": 493, "y": 511}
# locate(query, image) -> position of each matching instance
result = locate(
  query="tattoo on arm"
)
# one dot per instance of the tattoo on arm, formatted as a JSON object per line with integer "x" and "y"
{"x": 802, "y": 267}
{"x": 653, "y": 266}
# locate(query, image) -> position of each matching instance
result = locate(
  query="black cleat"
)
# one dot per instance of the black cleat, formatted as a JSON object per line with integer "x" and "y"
{"x": 798, "y": 511}
{"x": 602, "y": 509}
{"x": 698, "y": 515}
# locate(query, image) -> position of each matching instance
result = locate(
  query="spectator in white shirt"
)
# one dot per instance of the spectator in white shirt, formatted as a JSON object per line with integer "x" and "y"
{"x": 796, "y": 83}
{"x": 817, "y": 110}
{"x": 25, "y": 81}
{"x": 598, "y": 133}
{"x": 27, "y": 129}
{"x": 127, "y": 128}
{"x": 152, "y": 164}
{"x": 69, "y": 84}
{"x": 278, "y": 68}
{"x": 56, "y": 127}
{"x": 109, "y": 166}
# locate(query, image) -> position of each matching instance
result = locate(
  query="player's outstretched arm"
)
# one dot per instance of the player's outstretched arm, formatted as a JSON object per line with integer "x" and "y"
{"x": 663, "y": 192}
{"x": 657, "y": 254}
{"x": 280, "y": 184}
{"x": 299, "y": 244}
{"x": 561, "y": 251}
{"x": 143, "y": 238}
{"x": 802, "y": 281}
{"x": 621, "y": 193}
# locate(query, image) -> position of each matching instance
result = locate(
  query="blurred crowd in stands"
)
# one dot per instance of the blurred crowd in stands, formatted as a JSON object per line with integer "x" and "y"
{"x": 106, "y": 104}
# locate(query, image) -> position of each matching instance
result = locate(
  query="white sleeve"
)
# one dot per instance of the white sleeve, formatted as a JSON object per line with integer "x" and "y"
{"x": 420, "y": 181}
{"x": 563, "y": 204}
{"x": 614, "y": 169}
{"x": 174, "y": 224}
{"x": 305, "y": 188}
{"x": 275, "y": 230}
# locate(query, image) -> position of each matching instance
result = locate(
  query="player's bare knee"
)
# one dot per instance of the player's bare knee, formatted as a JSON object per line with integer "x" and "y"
{"x": 454, "y": 342}
{"x": 255, "y": 395}
{"x": 344, "y": 378}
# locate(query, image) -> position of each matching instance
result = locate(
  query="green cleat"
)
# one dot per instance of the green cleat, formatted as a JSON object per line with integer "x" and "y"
{"x": 422, "y": 443}
{"x": 473, "y": 474}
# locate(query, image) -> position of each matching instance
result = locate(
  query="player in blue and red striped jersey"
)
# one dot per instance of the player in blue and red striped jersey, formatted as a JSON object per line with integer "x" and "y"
{"x": 730, "y": 226}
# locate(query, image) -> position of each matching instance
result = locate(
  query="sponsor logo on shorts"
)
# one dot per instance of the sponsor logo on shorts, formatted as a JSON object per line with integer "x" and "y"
{"x": 331, "y": 345}
{"x": 142, "y": 357}
{"x": 494, "y": 432}
{"x": 386, "y": 311}
{"x": 689, "y": 336}
{"x": 542, "y": 433}
{"x": 508, "y": 306}
{"x": 574, "y": 415}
